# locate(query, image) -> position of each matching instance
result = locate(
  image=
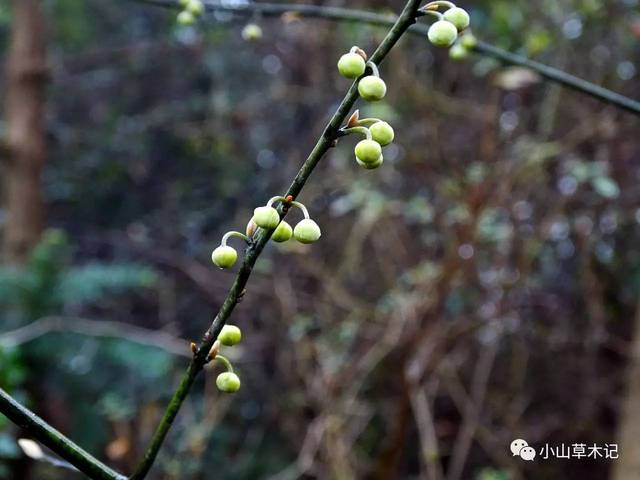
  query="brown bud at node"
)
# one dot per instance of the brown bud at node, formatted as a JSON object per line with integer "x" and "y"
{"x": 194, "y": 348}
{"x": 353, "y": 119}
{"x": 428, "y": 7}
{"x": 289, "y": 199}
{"x": 241, "y": 295}
{"x": 214, "y": 351}
{"x": 360, "y": 52}
{"x": 251, "y": 228}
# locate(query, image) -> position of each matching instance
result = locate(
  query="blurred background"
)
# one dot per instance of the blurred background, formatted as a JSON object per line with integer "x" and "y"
{"x": 482, "y": 286}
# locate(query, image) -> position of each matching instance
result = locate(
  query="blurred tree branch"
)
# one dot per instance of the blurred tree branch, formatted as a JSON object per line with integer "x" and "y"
{"x": 95, "y": 328}
{"x": 429, "y": 451}
{"x": 563, "y": 78}
{"x": 472, "y": 411}
{"x": 362, "y": 16}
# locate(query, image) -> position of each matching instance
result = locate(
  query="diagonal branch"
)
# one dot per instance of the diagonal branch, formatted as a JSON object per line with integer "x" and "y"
{"x": 563, "y": 78}
{"x": 55, "y": 440}
{"x": 362, "y": 16}
{"x": 326, "y": 141}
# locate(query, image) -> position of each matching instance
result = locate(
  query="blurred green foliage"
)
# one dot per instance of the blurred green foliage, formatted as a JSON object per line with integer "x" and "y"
{"x": 48, "y": 282}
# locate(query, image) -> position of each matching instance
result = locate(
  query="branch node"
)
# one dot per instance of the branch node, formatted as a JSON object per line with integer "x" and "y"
{"x": 241, "y": 295}
{"x": 353, "y": 119}
{"x": 359, "y": 51}
{"x": 213, "y": 353}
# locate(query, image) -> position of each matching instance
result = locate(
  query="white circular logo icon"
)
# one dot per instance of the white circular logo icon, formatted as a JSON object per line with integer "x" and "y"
{"x": 518, "y": 445}
{"x": 527, "y": 453}
{"x": 520, "y": 448}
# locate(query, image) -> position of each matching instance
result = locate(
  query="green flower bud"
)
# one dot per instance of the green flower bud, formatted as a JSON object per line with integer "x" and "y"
{"x": 186, "y": 18}
{"x": 307, "y": 231}
{"x": 224, "y": 256}
{"x": 251, "y": 32}
{"x": 196, "y": 7}
{"x": 458, "y": 16}
{"x": 442, "y": 33}
{"x": 371, "y": 165}
{"x": 230, "y": 335}
{"x": 468, "y": 40}
{"x": 351, "y": 65}
{"x": 266, "y": 217}
{"x": 372, "y": 88}
{"x": 458, "y": 52}
{"x": 282, "y": 233}
{"x": 228, "y": 382}
{"x": 382, "y": 133}
{"x": 368, "y": 151}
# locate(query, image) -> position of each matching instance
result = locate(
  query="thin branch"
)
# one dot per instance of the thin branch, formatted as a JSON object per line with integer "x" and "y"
{"x": 55, "y": 440}
{"x": 430, "y": 455}
{"x": 275, "y": 9}
{"x": 563, "y": 78}
{"x": 472, "y": 411}
{"x": 95, "y": 328}
{"x": 406, "y": 19}
{"x": 362, "y": 16}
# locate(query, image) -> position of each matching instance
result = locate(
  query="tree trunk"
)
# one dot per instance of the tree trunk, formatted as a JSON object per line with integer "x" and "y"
{"x": 627, "y": 466}
{"x": 25, "y": 142}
